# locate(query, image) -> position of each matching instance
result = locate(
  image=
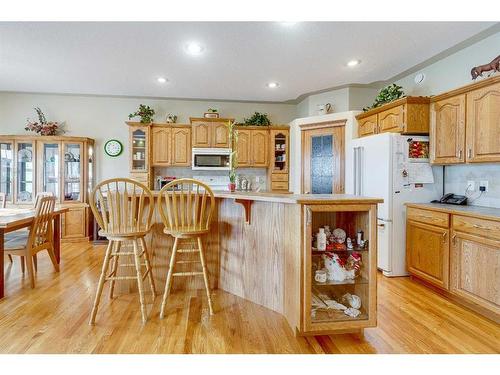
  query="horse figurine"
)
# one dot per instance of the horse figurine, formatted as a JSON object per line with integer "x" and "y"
{"x": 478, "y": 71}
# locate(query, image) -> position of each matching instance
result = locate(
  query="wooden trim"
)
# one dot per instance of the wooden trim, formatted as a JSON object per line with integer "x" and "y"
{"x": 466, "y": 89}
{"x": 45, "y": 138}
{"x": 395, "y": 103}
{"x": 323, "y": 124}
{"x": 244, "y": 127}
{"x": 207, "y": 119}
{"x": 169, "y": 125}
{"x": 456, "y": 211}
{"x": 247, "y": 206}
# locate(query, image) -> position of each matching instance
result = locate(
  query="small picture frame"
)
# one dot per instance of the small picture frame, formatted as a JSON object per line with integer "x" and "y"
{"x": 211, "y": 115}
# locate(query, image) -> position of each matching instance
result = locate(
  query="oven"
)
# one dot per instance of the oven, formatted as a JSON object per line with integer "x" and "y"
{"x": 211, "y": 159}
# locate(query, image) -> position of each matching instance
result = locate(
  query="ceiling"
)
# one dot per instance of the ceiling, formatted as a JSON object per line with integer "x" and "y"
{"x": 239, "y": 58}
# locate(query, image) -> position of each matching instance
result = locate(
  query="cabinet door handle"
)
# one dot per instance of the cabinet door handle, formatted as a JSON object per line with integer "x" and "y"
{"x": 460, "y": 154}
{"x": 444, "y": 236}
{"x": 469, "y": 153}
{"x": 454, "y": 239}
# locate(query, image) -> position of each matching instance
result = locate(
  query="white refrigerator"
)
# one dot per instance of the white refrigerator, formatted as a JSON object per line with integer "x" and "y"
{"x": 395, "y": 168}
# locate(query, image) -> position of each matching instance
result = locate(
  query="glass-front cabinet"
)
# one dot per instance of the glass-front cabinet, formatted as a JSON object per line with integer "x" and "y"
{"x": 278, "y": 171}
{"x": 7, "y": 169}
{"x": 58, "y": 165}
{"x": 139, "y": 150}
{"x": 340, "y": 267}
{"x": 25, "y": 172}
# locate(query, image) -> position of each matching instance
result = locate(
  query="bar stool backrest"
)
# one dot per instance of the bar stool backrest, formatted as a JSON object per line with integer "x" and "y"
{"x": 122, "y": 206}
{"x": 41, "y": 195}
{"x": 186, "y": 205}
{"x": 41, "y": 230}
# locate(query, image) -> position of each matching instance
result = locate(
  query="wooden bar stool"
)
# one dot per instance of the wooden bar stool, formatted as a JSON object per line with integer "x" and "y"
{"x": 186, "y": 207}
{"x": 123, "y": 208}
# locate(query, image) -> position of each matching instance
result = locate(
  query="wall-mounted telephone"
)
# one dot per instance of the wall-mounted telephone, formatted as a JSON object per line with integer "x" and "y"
{"x": 451, "y": 198}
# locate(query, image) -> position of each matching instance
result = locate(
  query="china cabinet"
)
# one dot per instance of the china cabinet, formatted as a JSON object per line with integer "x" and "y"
{"x": 62, "y": 166}
{"x": 278, "y": 172}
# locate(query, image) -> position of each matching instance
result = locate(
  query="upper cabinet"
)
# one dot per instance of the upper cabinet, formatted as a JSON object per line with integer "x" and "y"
{"x": 279, "y": 158}
{"x": 207, "y": 132}
{"x": 408, "y": 115}
{"x": 483, "y": 124}
{"x": 448, "y": 130}
{"x": 465, "y": 124}
{"x": 252, "y": 147}
{"x": 171, "y": 145}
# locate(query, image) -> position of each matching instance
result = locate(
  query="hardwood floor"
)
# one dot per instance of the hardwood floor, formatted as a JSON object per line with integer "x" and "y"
{"x": 53, "y": 319}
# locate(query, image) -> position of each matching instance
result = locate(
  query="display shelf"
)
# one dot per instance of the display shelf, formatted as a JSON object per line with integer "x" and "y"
{"x": 325, "y": 315}
{"x": 356, "y": 281}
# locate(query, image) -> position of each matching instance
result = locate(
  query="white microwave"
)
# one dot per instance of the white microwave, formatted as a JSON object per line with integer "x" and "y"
{"x": 211, "y": 159}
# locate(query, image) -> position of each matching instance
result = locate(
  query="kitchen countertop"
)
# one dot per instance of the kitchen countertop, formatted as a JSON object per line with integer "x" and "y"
{"x": 473, "y": 211}
{"x": 293, "y": 198}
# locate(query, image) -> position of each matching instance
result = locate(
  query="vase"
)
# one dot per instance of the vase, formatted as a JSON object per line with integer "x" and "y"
{"x": 232, "y": 187}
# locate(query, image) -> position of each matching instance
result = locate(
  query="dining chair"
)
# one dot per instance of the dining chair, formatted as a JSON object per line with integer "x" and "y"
{"x": 3, "y": 202}
{"x": 37, "y": 238}
{"x": 123, "y": 209}
{"x": 186, "y": 207}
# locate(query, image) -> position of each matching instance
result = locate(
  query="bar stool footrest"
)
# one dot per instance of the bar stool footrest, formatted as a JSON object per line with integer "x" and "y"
{"x": 187, "y": 273}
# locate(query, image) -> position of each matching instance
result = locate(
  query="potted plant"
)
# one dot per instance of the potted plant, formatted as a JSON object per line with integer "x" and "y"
{"x": 42, "y": 126}
{"x": 145, "y": 112}
{"x": 233, "y": 158}
{"x": 386, "y": 95}
{"x": 211, "y": 113}
{"x": 257, "y": 119}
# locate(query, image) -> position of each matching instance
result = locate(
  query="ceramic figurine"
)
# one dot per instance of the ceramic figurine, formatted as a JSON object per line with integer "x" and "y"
{"x": 349, "y": 243}
{"x": 335, "y": 269}
{"x": 359, "y": 238}
{"x": 353, "y": 262}
{"x": 352, "y": 300}
{"x": 339, "y": 235}
{"x": 321, "y": 239}
{"x": 171, "y": 119}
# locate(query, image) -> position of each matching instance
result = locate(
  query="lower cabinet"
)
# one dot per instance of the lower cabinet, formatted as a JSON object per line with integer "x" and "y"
{"x": 427, "y": 252}
{"x": 74, "y": 224}
{"x": 475, "y": 270}
{"x": 460, "y": 256}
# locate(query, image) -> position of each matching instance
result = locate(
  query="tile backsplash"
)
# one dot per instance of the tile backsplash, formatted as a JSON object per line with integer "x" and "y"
{"x": 249, "y": 173}
{"x": 458, "y": 175}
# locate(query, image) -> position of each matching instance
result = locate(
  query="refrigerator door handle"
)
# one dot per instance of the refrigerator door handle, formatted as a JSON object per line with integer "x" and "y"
{"x": 360, "y": 171}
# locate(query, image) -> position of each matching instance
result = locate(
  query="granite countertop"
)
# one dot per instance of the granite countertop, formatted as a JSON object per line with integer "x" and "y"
{"x": 474, "y": 211}
{"x": 294, "y": 198}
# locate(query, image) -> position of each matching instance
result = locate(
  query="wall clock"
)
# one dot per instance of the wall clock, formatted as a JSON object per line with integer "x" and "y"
{"x": 113, "y": 147}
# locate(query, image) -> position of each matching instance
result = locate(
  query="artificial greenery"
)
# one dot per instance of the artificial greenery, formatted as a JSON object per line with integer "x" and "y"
{"x": 233, "y": 141}
{"x": 212, "y": 110}
{"x": 145, "y": 112}
{"x": 386, "y": 95}
{"x": 257, "y": 119}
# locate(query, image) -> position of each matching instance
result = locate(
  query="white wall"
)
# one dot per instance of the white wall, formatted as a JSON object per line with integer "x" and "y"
{"x": 449, "y": 73}
{"x": 103, "y": 118}
{"x": 296, "y": 149}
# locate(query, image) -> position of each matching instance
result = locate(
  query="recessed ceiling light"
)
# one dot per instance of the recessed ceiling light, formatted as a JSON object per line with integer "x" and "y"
{"x": 353, "y": 63}
{"x": 272, "y": 85}
{"x": 194, "y": 48}
{"x": 161, "y": 80}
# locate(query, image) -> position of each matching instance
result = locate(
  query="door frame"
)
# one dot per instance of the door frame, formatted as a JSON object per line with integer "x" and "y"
{"x": 339, "y": 156}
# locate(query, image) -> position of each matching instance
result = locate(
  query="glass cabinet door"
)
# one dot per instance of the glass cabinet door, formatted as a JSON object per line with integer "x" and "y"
{"x": 90, "y": 170}
{"x": 50, "y": 168}
{"x": 139, "y": 154}
{"x": 280, "y": 141}
{"x": 6, "y": 169}
{"x": 25, "y": 188}
{"x": 72, "y": 184}
{"x": 339, "y": 266}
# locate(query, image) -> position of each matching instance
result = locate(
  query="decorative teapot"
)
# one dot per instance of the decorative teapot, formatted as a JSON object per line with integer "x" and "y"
{"x": 171, "y": 119}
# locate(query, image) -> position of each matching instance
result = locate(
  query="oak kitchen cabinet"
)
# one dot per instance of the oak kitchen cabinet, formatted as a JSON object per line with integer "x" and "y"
{"x": 279, "y": 155}
{"x": 408, "y": 115}
{"x": 457, "y": 249}
{"x": 171, "y": 146}
{"x": 207, "y": 132}
{"x": 465, "y": 124}
{"x": 252, "y": 147}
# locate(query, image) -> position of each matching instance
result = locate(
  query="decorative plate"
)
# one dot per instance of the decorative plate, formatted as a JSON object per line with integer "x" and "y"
{"x": 339, "y": 235}
{"x": 113, "y": 147}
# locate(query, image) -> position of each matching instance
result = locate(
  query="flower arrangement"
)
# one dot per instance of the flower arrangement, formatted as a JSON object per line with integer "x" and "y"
{"x": 233, "y": 140}
{"x": 42, "y": 126}
{"x": 145, "y": 112}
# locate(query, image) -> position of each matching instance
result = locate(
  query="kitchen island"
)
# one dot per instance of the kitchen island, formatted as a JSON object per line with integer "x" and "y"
{"x": 260, "y": 248}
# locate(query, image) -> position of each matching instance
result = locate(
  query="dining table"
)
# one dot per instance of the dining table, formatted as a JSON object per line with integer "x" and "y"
{"x": 12, "y": 219}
